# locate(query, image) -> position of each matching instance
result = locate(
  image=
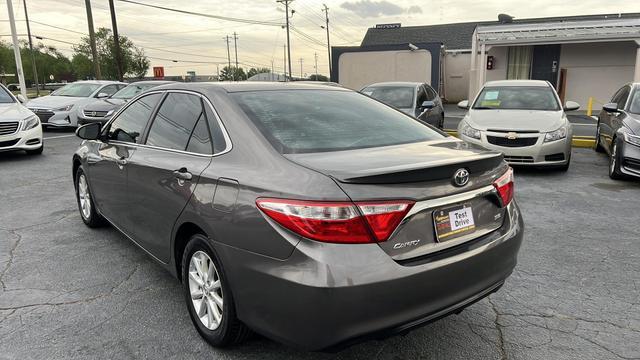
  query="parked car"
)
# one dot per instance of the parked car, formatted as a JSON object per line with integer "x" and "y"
{"x": 311, "y": 214}
{"x": 101, "y": 110}
{"x": 416, "y": 99}
{"x": 524, "y": 119}
{"x": 19, "y": 127}
{"x": 59, "y": 108}
{"x": 618, "y": 132}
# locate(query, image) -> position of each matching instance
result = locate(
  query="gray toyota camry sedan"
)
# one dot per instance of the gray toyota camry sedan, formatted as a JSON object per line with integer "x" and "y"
{"x": 313, "y": 215}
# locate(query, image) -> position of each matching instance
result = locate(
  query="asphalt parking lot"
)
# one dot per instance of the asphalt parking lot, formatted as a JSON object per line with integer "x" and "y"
{"x": 68, "y": 291}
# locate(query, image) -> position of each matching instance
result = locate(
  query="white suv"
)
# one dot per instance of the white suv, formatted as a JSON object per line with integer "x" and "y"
{"x": 20, "y": 128}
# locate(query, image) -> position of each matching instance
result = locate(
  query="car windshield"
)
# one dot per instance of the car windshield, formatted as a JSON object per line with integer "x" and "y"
{"x": 77, "y": 90}
{"x": 634, "y": 102}
{"x": 5, "y": 97}
{"x": 400, "y": 97}
{"x": 517, "y": 98}
{"x": 131, "y": 90}
{"x": 302, "y": 121}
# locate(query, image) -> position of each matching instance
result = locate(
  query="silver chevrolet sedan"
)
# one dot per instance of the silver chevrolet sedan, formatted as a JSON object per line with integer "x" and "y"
{"x": 524, "y": 119}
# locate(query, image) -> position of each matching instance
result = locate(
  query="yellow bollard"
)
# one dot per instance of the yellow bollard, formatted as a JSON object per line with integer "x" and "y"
{"x": 590, "y": 106}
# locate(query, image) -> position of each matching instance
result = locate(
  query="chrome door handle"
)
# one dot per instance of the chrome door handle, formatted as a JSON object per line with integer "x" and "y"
{"x": 183, "y": 174}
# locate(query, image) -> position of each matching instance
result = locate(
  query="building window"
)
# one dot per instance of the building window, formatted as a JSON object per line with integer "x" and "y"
{"x": 519, "y": 62}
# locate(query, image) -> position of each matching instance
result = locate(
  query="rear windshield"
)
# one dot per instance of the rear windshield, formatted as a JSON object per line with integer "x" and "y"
{"x": 132, "y": 90}
{"x": 302, "y": 121}
{"x": 517, "y": 98}
{"x": 400, "y": 97}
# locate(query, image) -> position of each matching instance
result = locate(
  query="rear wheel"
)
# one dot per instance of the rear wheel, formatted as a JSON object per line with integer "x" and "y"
{"x": 598, "y": 147}
{"x": 85, "y": 201}
{"x": 614, "y": 162}
{"x": 208, "y": 295}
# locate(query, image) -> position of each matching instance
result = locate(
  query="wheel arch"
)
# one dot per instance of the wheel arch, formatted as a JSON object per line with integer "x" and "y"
{"x": 76, "y": 164}
{"x": 184, "y": 232}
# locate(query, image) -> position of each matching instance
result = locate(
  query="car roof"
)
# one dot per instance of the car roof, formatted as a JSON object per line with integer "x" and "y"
{"x": 395, "y": 83}
{"x": 100, "y": 82}
{"x": 231, "y": 87}
{"x": 540, "y": 83}
{"x": 158, "y": 82}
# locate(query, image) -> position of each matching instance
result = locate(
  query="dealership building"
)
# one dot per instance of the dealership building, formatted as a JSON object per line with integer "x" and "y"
{"x": 582, "y": 56}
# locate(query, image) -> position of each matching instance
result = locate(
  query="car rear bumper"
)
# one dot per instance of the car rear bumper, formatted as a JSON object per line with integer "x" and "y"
{"x": 555, "y": 153}
{"x": 330, "y": 295}
{"x": 22, "y": 140}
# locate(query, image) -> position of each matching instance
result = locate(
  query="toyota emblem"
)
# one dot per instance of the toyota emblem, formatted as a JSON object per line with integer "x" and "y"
{"x": 461, "y": 177}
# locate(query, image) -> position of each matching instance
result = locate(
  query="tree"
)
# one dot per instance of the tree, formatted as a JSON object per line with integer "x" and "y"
{"x": 318, "y": 77}
{"x": 232, "y": 74}
{"x": 49, "y": 61}
{"x": 134, "y": 61}
{"x": 255, "y": 71}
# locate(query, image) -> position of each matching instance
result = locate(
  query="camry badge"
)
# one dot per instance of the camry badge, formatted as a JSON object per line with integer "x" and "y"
{"x": 461, "y": 177}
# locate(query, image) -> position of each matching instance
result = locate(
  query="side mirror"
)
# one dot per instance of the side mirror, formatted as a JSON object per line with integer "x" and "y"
{"x": 571, "y": 106}
{"x": 21, "y": 99}
{"x": 464, "y": 104}
{"x": 427, "y": 105}
{"x": 610, "y": 107}
{"x": 102, "y": 95}
{"x": 89, "y": 131}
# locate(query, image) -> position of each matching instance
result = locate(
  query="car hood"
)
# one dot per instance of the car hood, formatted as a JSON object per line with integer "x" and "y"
{"x": 105, "y": 105}
{"x": 633, "y": 123}
{"x": 51, "y": 101}
{"x": 514, "y": 120}
{"x": 13, "y": 112}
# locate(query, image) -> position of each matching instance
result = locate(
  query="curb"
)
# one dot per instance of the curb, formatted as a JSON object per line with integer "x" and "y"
{"x": 577, "y": 141}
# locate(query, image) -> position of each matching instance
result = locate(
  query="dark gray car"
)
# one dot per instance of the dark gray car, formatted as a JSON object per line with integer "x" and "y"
{"x": 101, "y": 110}
{"x": 313, "y": 215}
{"x": 618, "y": 132}
{"x": 416, "y": 99}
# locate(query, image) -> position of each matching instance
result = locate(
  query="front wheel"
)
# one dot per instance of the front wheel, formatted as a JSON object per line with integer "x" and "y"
{"x": 208, "y": 295}
{"x": 614, "y": 162}
{"x": 598, "y": 147}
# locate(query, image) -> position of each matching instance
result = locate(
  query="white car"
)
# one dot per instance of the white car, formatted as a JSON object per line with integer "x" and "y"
{"x": 20, "y": 128}
{"x": 524, "y": 119}
{"x": 60, "y": 108}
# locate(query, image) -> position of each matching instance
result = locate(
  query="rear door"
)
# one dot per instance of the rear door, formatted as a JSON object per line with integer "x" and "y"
{"x": 164, "y": 172}
{"x": 108, "y": 170}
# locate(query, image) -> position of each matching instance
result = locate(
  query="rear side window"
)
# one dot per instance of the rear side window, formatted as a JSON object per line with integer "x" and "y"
{"x": 130, "y": 123}
{"x": 298, "y": 121}
{"x": 175, "y": 123}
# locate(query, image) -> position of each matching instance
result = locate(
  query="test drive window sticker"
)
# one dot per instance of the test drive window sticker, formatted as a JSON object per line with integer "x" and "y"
{"x": 453, "y": 221}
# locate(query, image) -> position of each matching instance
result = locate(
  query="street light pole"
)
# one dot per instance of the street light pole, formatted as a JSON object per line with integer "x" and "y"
{"x": 235, "y": 46}
{"x": 33, "y": 57}
{"x": 286, "y": 9}
{"x": 116, "y": 40}
{"x": 326, "y": 13}
{"x": 301, "y": 76}
{"x": 92, "y": 40}
{"x": 16, "y": 50}
{"x": 226, "y": 38}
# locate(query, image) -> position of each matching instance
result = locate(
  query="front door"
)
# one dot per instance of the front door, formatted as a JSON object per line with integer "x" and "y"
{"x": 164, "y": 172}
{"x": 546, "y": 63}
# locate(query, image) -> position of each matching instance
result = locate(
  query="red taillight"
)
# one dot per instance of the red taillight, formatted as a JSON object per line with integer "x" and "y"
{"x": 338, "y": 222}
{"x": 504, "y": 186}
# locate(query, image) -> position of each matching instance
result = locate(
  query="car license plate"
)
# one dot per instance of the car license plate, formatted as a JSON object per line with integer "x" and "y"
{"x": 453, "y": 222}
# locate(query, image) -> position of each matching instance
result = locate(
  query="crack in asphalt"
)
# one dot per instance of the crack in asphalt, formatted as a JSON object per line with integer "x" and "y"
{"x": 501, "y": 342}
{"x": 11, "y": 255}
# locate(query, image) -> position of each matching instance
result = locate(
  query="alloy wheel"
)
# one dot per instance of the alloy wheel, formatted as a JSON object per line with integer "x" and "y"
{"x": 206, "y": 290}
{"x": 84, "y": 196}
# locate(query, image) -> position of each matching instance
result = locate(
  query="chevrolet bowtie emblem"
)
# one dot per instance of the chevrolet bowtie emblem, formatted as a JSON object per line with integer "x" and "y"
{"x": 512, "y": 135}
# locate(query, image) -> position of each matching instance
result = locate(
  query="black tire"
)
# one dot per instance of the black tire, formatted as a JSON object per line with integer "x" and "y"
{"x": 37, "y": 151}
{"x": 614, "y": 161}
{"x": 565, "y": 167}
{"x": 598, "y": 147}
{"x": 441, "y": 127}
{"x": 230, "y": 330}
{"x": 93, "y": 219}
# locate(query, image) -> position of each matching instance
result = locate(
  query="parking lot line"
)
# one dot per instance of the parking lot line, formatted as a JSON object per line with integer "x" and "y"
{"x": 59, "y": 137}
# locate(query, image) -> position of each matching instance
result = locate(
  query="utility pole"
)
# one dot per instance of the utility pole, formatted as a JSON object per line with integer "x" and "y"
{"x": 92, "y": 40}
{"x": 326, "y": 14}
{"x": 16, "y": 50}
{"x": 315, "y": 55}
{"x": 218, "y": 71}
{"x": 301, "y": 76}
{"x": 226, "y": 38}
{"x": 286, "y": 9}
{"x": 284, "y": 62}
{"x": 33, "y": 57}
{"x": 272, "y": 70}
{"x": 235, "y": 46}
{"x": 116, "y": 40}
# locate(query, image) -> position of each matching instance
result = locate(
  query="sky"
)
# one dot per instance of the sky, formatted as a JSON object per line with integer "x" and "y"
{"x": 197, "y": 43}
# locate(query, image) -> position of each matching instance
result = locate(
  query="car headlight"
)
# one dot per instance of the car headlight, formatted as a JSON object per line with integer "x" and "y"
{"x": 468, "y": 131}
{"x": 632, "y": 139}
{"x": 556, "y": 135}
{"x": 65, "y": 108}
{"x": 30, "y": 122}
{"x": 109, "y": 113}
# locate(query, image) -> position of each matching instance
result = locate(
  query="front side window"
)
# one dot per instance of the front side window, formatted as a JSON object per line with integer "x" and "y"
{"x": 5, "y": 97}
{"x": 400, "y": 97}
{"x": 302, "y": 121}
{"x": 517, "y": 98}
{"x": 634, "y": 103}
{"x": 621, "y": 97}
{"x": 175, "y": 122}
{"x": 109, "y": 90}
{"x": 77, "y": 90}
{"x": 130, "y": 123}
